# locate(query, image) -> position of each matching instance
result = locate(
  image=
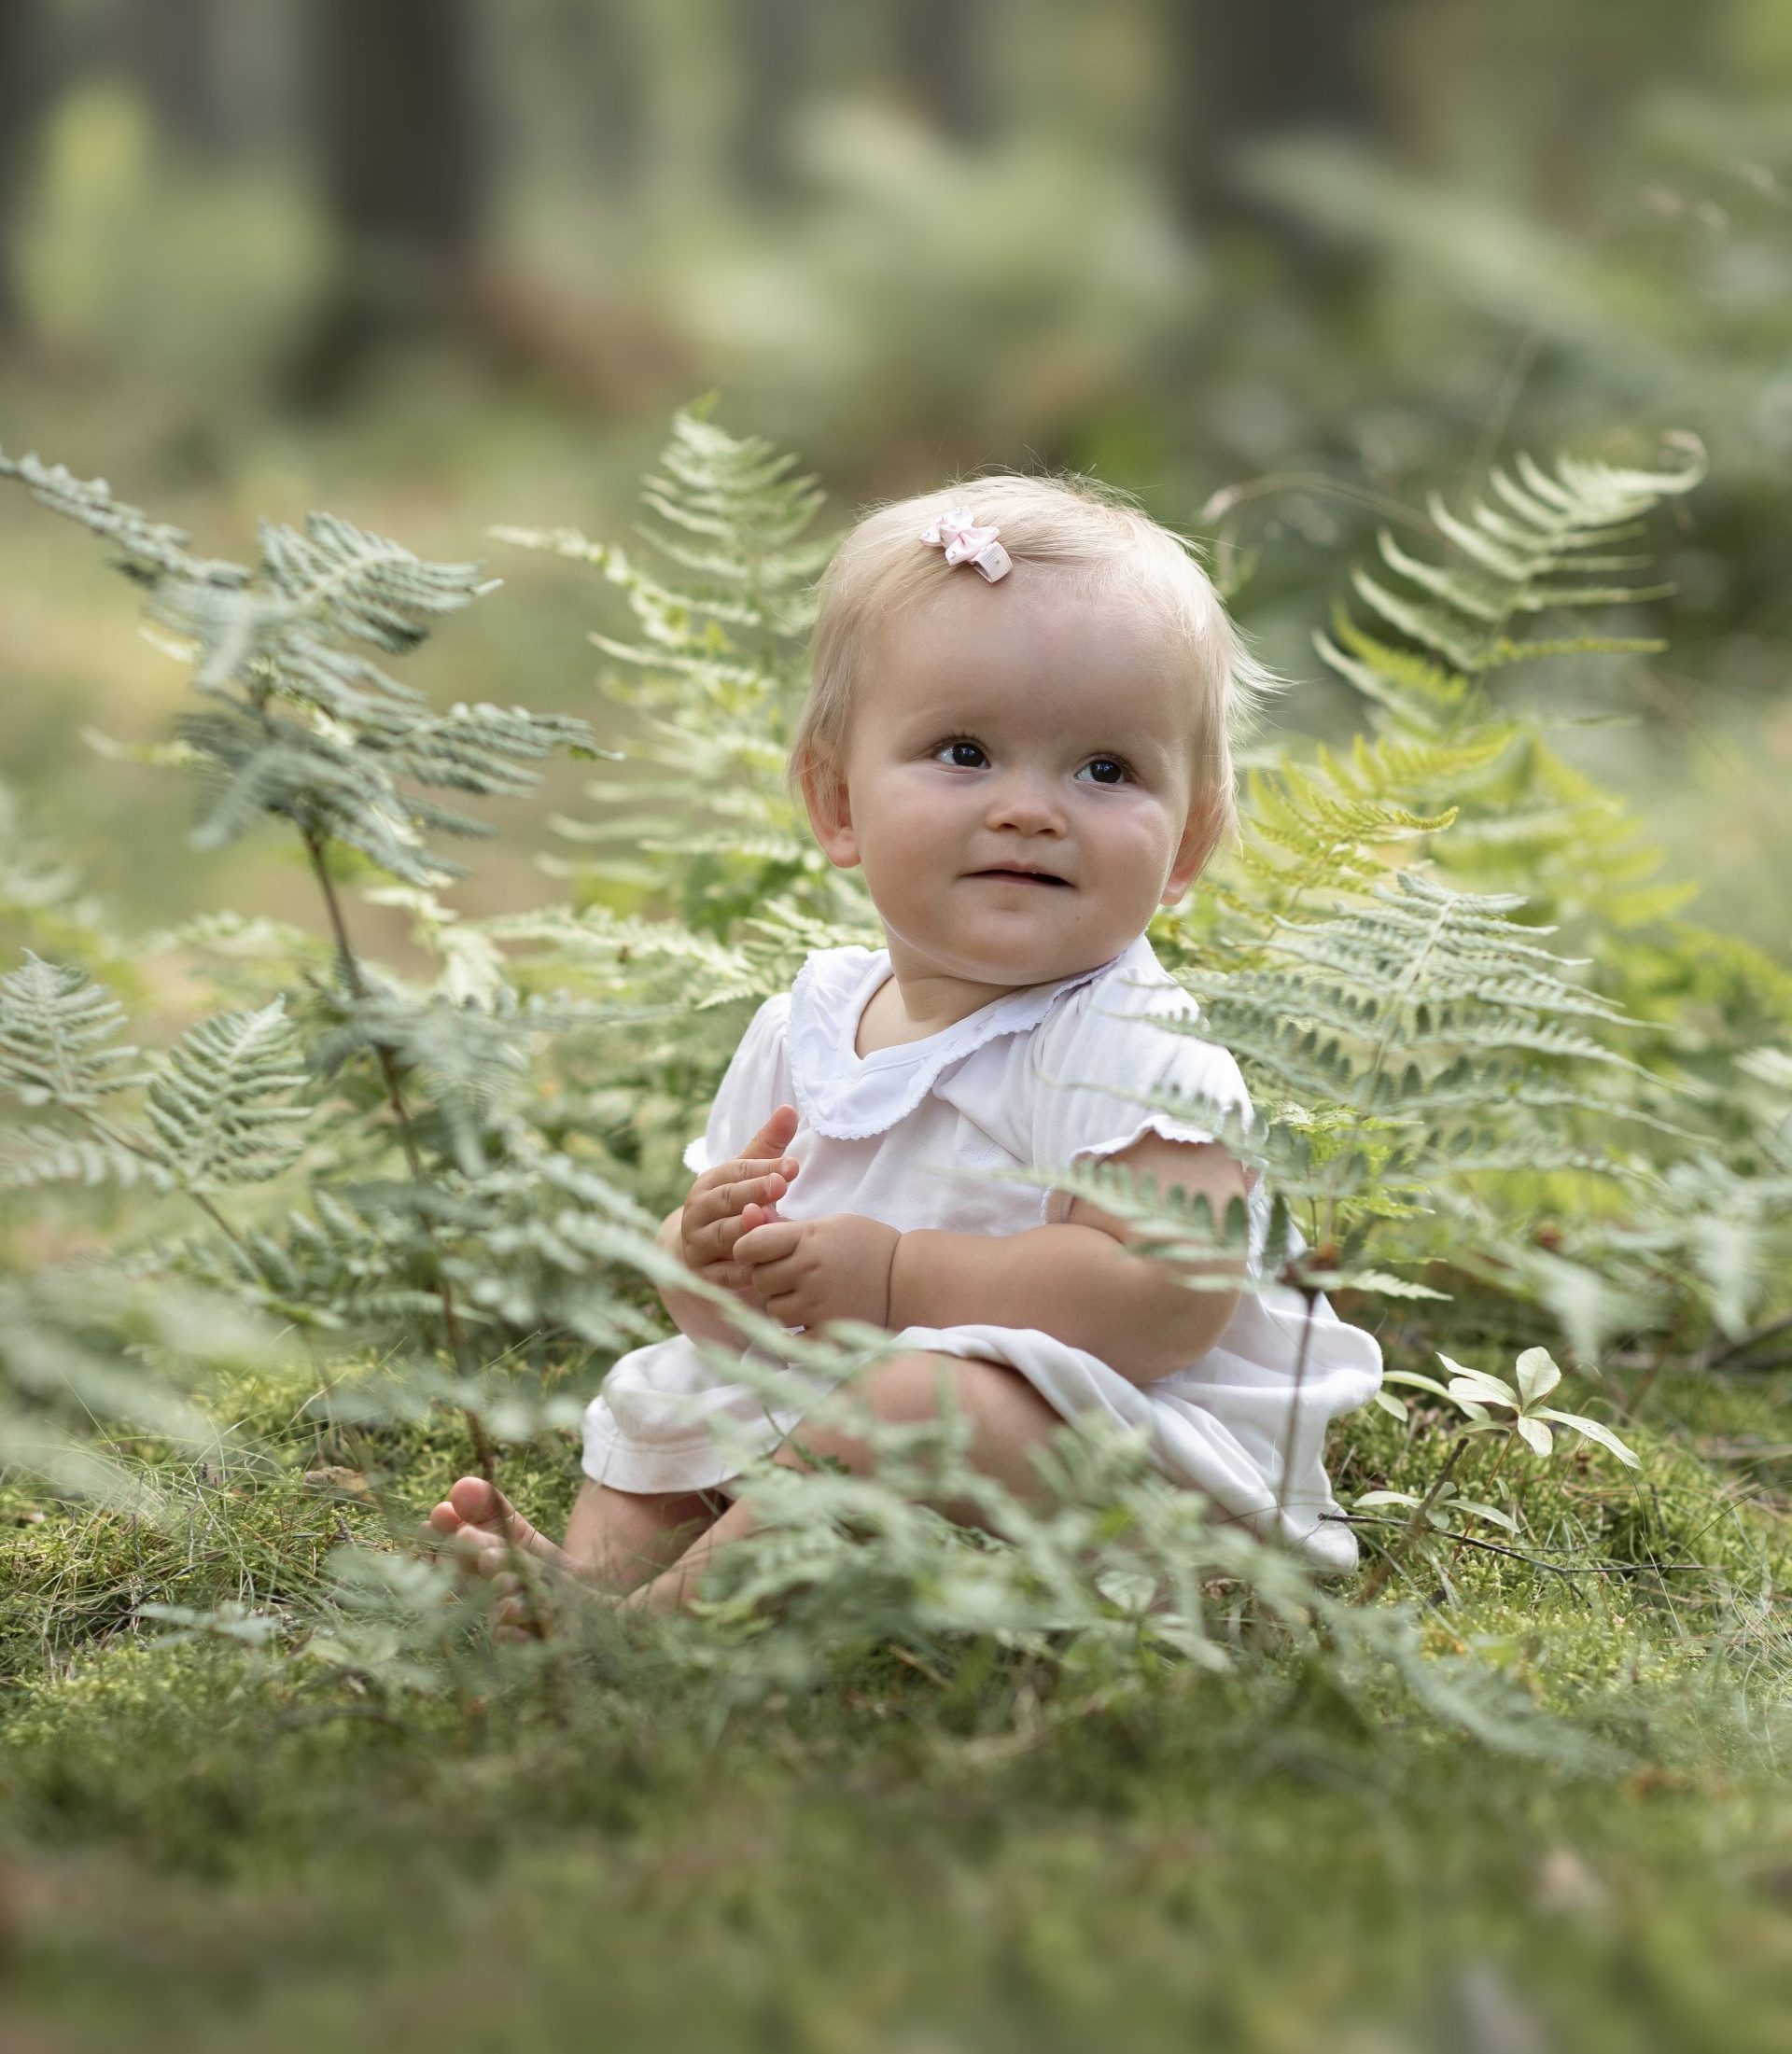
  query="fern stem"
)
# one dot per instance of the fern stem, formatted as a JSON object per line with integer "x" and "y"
{"x": 349, "y": 964}
{"x": 1294, "y": 1400}
{"x": 104, "y": 1129}
{"x": 216, "y": 1218}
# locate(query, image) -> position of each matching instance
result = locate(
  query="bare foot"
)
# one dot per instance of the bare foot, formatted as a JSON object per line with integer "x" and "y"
{"x": 478, "y": 1528}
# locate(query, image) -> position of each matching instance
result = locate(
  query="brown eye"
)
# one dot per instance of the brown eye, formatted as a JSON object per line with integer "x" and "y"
{"x": 958, "y": 760}
{"x": 1109, "y": 770}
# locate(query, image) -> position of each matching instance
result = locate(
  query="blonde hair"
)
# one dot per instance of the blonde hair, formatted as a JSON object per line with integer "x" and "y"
{"x": 1087, "y": 533}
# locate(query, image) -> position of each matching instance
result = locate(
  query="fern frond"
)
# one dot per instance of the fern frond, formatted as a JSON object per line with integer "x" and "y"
{"x": 149, "y": 546}
{"x": 221, "y": 1104}
{"x": 715, "y": 668}
{"x": 281, "y": 636}
{"x": 50, "y": 1158}
{"x": 55, "y": 1024}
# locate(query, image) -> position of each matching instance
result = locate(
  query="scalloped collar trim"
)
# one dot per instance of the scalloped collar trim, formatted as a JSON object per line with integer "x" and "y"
{"x": 847, "y": 1095}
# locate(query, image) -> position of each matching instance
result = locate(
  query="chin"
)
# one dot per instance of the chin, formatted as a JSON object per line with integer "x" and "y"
{"x": 1020, "y": 959}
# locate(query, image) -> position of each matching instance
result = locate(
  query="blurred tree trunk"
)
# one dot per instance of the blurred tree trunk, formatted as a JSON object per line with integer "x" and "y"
{"x": 600, "y": 46}
{"x": 22, "y": 77}
{"x": 943, "y": 51}
{"x": 398, "y": 133}
{"x": 1238, "y": 71}
{"x": 772, "y": 42}
{"x": 172, "y": 47}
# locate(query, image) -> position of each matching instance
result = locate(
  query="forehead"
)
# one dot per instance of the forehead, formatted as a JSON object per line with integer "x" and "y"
{"x": 1034, "y": 642}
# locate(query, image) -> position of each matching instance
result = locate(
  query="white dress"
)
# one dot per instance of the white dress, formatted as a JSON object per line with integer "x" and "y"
{"x": 879, "y": 1134}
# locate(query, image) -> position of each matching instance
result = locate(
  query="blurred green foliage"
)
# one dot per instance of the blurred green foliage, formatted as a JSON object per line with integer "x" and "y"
{"x": 1543, "y": 225}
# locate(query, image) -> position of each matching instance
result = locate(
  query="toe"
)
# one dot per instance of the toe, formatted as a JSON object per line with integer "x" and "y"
{"x": 513, "y": 1621}
{"x": 479, "y": 1504}
{"x": 467, "y": 1544}
{"x": 476, "y": 1502}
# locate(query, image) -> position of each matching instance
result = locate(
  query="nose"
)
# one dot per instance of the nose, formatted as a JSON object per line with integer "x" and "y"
{"x": 1024, "y": 799}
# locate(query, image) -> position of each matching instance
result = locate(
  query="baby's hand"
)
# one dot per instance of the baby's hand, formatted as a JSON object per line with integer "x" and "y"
{"x": 808, "y": 1271}
{"x": 711, "y": 1221}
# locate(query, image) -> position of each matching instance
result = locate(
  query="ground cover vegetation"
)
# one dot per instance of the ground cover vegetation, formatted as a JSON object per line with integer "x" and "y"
{"x": 1119, "y": 1769}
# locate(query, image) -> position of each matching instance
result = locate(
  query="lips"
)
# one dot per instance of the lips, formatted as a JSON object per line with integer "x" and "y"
{"x": 1027, "y": 876}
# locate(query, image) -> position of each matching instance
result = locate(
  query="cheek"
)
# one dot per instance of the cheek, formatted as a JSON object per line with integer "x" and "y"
{"x": 1140, "y": 836}
{"x": 914, "y": 811}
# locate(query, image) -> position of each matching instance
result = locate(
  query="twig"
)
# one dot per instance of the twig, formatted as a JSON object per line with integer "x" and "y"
{"x": 1518, "y": 1555}
{"x": 1747, "y": 1341}
{"x": 1493, "y": 1478}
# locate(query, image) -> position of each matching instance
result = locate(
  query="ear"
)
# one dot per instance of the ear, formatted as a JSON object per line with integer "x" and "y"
{"x": 1200, "y": 834}
{"x": 830, "y": 808}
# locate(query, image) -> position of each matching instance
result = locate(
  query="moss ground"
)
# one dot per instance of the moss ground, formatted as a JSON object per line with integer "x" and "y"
{"x": 208, "y": 1845}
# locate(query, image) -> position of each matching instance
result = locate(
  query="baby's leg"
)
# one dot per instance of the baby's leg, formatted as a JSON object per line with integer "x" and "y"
{"x": 615, "y": 1539}
{"x": 1008, "y": 1418}
{"x": 622, "y": 1537}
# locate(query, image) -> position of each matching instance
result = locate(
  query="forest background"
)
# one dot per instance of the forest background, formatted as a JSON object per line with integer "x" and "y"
{"x": 1282, "y": 271}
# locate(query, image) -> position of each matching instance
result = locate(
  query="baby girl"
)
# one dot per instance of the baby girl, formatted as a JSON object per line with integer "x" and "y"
{"x": 1019, "y": 724}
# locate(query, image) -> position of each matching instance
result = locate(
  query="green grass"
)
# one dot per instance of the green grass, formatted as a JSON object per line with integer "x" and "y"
{"x": 209, "y": 1846}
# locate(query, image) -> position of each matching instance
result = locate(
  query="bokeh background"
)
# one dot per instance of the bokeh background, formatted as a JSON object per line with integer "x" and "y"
{"x": 443, "y": 264}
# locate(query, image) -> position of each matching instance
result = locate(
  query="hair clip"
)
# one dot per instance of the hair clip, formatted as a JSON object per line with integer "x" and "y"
{"x": 957, "y": 533}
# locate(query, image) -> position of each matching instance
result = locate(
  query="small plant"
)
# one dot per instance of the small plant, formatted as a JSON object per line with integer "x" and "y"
{"x": 1480, "y": 1397}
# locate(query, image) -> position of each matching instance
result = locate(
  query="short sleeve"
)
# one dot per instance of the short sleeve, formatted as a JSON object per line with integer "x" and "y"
{"x": 756, "y": 1082}
{"x": 1105, "y": 1044}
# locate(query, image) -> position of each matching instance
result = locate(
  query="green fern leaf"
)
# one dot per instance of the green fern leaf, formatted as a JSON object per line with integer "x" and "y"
{"x": 221, "y": 1105}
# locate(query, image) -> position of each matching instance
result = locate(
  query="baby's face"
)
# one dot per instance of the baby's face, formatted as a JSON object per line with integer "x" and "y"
{"x": 1007, "y": 727}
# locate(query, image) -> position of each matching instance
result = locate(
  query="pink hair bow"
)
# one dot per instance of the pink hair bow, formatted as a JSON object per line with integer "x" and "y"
{"x": 965, "y": 542}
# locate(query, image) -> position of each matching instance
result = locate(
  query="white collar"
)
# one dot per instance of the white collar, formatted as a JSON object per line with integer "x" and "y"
{"x": 847, "y": 1095}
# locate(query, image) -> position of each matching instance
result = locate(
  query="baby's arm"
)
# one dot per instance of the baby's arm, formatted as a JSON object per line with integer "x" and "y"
{"x": 1080, "y": 1280}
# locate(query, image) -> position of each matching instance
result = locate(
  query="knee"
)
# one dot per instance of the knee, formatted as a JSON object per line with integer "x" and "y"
{"x": 898, "y": 1391}
{"x": 904, "y": 1389}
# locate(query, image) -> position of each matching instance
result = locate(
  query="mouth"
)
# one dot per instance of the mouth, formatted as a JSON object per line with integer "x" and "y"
{"x": 1027, "y": 876}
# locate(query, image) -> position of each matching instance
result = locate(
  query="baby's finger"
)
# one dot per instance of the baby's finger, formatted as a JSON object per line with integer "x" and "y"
{"x": 722, "y": 1202}
{"x": 770, "y": 1241}
{"x": 727, "y": 1195}
{"x": 775, "y": 1134}
{"x": 788, "y": 1309}
{"x": 773, "y": 1280}
{"x": 741, "y": 1169}
{"x": 729, "y": 1275}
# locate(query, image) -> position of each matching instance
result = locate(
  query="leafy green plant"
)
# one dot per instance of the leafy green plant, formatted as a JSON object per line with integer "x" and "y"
{"x": 301, "y": 725}
{"x": 1480, "y": 1394}
{"x": 456, "y": 1180}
